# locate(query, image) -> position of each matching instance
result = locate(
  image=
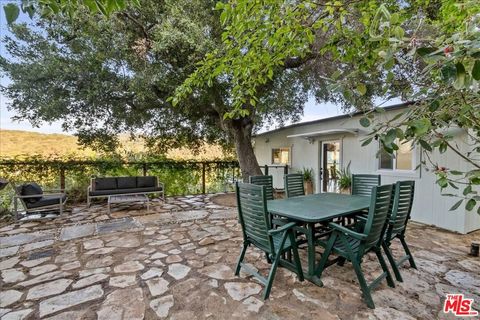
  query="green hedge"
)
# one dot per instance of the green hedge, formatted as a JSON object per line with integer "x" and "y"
{"x": 179, "y": 177}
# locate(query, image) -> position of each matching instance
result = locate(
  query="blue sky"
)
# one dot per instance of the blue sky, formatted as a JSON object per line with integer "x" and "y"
{"x": 312, "y": 109}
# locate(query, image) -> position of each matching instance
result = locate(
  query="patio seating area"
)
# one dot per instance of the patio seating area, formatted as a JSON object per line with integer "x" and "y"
{"x": 178, "y": 260}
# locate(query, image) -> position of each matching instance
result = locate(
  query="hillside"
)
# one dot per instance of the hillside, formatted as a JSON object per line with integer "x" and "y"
{"x": 27, "y": 143}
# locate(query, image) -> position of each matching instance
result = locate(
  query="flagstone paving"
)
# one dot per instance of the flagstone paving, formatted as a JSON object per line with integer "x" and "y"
{"x": 177, "y": 260}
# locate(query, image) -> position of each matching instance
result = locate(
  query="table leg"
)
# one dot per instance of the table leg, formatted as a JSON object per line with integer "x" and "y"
{"x": 311, "y": 255}
{"x": 311, "y": 249}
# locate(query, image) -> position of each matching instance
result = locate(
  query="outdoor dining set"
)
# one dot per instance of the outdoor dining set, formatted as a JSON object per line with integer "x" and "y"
{"x": 346, "y": 226}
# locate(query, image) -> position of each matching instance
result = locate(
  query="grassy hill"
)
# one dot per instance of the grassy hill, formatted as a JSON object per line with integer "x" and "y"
{"x": 27, "y": 143}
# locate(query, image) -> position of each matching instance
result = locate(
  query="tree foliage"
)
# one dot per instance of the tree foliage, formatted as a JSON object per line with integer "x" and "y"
{"x": 351, "y": 52}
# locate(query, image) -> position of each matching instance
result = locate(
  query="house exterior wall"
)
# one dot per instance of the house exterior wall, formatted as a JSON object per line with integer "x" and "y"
{"x": 430, "y": 207}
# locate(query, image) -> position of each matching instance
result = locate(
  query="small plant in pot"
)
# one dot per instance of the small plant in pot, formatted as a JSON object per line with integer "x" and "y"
{"x": 344, "y": 179}
{"x": 308, "y": 178}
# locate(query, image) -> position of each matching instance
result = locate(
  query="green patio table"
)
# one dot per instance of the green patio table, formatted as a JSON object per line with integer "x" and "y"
{"x": 316, "y": 208}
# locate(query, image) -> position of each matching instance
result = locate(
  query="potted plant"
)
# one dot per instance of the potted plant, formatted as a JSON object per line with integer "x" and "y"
{"x": 344, "y": 179}
{"x": 308, "y": 178}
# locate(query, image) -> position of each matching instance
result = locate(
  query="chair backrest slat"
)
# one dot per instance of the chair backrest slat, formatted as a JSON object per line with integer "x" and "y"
{"x": 362, "y": 184}
{"x": 401, "y": 206}
{"x": 253, "y": 215}
{"x": 377, "y": 215}
{"x": 266, "y": 181}
{"x": 294, "y": 185}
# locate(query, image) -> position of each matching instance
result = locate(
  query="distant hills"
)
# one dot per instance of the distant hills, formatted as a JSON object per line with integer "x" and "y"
{"x": 15, "y": 143}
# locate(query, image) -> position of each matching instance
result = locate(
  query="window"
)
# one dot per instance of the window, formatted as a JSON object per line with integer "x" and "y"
{"x": 402, "y": 159}
{"x": 281, "y": 156}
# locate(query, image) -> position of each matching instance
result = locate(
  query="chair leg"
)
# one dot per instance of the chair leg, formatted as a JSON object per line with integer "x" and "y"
{"x": 356, "y": 261}
{"x": 363, "y": 283}
{"x": 267, "y": 256}
{"x": 296, "y": 257}
{"x": 325, "y": 254}
{"x": 390, "y": 282}
{"x": 392, "y": 262}
{"x": 271, "y": 276}
{"x": 240, "y": 259}
{"x": 407, "y": 251}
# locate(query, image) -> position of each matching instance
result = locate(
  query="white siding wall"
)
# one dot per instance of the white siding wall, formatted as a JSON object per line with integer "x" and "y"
{"x": 430, "y": 206}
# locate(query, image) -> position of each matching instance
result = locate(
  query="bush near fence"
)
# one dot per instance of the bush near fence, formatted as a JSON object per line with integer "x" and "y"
{"x": 179, "y": 177}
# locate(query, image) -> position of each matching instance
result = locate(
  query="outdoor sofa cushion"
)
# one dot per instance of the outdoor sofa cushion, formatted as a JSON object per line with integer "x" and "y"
{"x": 105, "y": 183}
{"x": 46, "y": 201}
{"x": 124, "y": 191}
{"x": 31, "y": 189}
{"x": 126, "y": 182}
{"x": 146, "y": 182}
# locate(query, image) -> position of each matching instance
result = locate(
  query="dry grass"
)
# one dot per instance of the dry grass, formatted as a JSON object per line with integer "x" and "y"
{"x": 15, "y": 143}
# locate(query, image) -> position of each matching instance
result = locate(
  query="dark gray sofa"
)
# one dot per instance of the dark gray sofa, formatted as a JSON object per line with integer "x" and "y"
{"x": 104, "y": 187}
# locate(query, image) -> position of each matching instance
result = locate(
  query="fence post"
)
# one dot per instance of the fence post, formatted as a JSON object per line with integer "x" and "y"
{"x": 144, "y": 169}
{"x": 286, "y": 169}
{"x": 266, "y": 169}
{"x": 62, "y": 178}
{"x": 203, "y": 177}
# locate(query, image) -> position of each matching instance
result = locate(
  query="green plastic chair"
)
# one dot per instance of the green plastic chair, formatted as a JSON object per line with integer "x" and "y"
{"x": 266, "y": 181}
{"x": 352, "y": 245}
{"x": 294, "y": 185}
{"x": 397, "y": 225}
{"x": 362, "y": 184}
{"x": 254, "y": 219}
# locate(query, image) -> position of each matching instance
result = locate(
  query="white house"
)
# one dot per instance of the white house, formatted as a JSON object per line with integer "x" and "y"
{"x": 332, "y": 143}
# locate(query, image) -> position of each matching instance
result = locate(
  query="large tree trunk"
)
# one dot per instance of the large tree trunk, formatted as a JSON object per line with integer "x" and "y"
{"x": 242, "y": 135}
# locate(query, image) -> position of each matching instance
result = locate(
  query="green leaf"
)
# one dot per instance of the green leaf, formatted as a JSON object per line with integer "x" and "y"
{"x": 456, "y": 173}
{"x": 398, "y": 32}
{"x": 365, "y": 122}
{"x": 425, "y": 145}
{"x": 434, "y": 106}
{"x": 470, "y": 204}
{"x": 476, "y": 70}
{"x": 390, "y": 136}
{"x": 456, "y": 205}
{"x": 448, "y": 73}
{"x": 459, "y": 76}
{"x": 364, "y": 143}
{"x": 362, "y": 89}
{"x": 467, "y": 190}
{"x": 11, "y": 12}
{"x": 425, "y": 51}
{"x": 451, "y": 184}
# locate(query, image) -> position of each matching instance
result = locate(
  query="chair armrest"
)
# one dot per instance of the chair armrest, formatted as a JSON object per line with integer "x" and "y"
{"x": 285, "y": 227}
{"x": 342, "y": 229}
{"x": 30, "y": 196}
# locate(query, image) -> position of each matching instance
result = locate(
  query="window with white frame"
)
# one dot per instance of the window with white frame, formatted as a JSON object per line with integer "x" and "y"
{"x": 400, "y": 160}
{"x": 280, "y": 155}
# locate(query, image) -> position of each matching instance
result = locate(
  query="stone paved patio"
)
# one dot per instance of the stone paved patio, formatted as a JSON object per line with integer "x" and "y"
{"x": 177, "y": 261}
